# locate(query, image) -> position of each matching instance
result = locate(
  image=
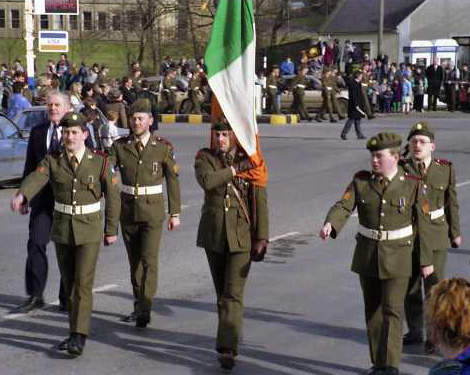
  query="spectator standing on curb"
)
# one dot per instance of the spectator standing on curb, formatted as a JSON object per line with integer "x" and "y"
{"x": 17, "y": 102}
{"x": 435, "y": 77}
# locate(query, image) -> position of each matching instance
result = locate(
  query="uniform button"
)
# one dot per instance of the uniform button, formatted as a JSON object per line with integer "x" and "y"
{"x": 382, "y": 214}
{"x": 408, "y": 242}
{"x": 140, "y": 161}
{"x": 381, "y": 227}
{"x": 136, "y": 197}
{"x": 74, "y": 180}
{"x": 74, "y": 190}
{"x": 226, "y": 209}
{"x": 229, "y": 184}
{"x": 74, "y": 203}
{"x": 227, "y": 196}
{"x": 384, "y": 201}
{"x": 425, "y": 186}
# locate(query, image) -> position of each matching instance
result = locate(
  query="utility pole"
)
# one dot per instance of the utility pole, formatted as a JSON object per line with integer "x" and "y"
{"x": 381, "y": 27}
{"x": 29, "y": 37}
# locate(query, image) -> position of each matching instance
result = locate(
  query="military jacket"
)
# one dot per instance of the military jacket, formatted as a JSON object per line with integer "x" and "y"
{"x": 169, "y": 84}
{"x": 155, "y": 163}
{"x": 84, "y": 186}
{"x": 393, "y": 209}
{"x": 437, "y": 191}
{"x": 223, "y": 218}
{"x": 272, "y": 84}
{"x": 195, "y": 83}
{"x": 299, "y": 84}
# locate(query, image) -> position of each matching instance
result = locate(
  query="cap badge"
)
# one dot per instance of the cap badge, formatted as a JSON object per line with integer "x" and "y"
{"x": 419, "y": 126}
{"x": 74, "y": 117}
{"x": 373, "y": 142}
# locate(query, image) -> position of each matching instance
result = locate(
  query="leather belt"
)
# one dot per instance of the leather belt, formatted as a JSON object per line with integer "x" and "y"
{"x": 142, "y": 190}
{"x": 436, "y": 214}
{"x": 386, "y": 235}
{"x": 77, "y": 210}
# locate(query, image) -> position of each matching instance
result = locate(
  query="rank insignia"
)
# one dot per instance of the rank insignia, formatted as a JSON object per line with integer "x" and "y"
{"x": 425, "y": 207}
{"x": 40, "y": 169}
{"x": 114, "y": 180}
{"x": 347, "y": 194}
{"x": 154, "y": 167}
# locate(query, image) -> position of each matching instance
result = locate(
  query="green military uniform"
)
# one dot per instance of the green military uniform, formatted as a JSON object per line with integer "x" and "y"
{"x": 438, "y": 210}
{"x": 224, "y": 233}
{"x": 364, "y": 85}
{"x": 272, "y": 84}
{"x": 77, "y": 228}
{"x": 168, "y": 95}
{"x": 298, "y": 86}
{"x": 194, "y": 90}
{"x": 142, "y": 207}
{"x": 330, "y": 103}
{"x": 382, "y": 256}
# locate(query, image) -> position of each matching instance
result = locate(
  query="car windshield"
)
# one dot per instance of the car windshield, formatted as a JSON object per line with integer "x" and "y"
{"x": 28, "y": 119}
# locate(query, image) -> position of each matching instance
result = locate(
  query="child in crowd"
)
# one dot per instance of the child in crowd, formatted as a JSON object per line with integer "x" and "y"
{"x": 397, "y": 95}
{"x": 387, "y": 100}
{"x": 109, "y": 131}
{"x": 407, "y": 92}
{"x": 92, "y": 123}
{"x": 382, "y": 90}
{"x": 419, "y": 90}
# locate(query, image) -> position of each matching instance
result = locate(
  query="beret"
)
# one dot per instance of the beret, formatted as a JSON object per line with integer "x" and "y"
{"x": 221, "y": 126}
{"x": 73, "y": 119}
{"x": 383, "y": 140}
{"x": 141, "y": 106}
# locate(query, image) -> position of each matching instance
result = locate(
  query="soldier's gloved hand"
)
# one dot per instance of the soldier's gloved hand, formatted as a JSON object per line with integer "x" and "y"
{"x": 243, "y": 166}
{"x": 109, "y": 240}
{"x": 456, "y": 242}
{"x": 17, "y": 201}
{"x": 258, "y": 250}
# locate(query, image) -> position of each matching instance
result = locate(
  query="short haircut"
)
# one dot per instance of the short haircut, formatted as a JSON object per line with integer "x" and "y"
{"x": 64, "y": 96}
{"x": 17, "y": 88}
{"x": 112, "y": 115}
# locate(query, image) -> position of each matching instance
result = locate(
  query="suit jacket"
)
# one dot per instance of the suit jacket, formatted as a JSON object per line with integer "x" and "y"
{"x": 355, "y": 100}
{"x": 223, "y": 219}
{"x": 435, "y": 78}
{"x": 155, "y": 164}
{"x": 36, "y": 151}
{"x": 83, "y": 186}
{"x": 390, "y": 210}
{"x": 437, "y": 191}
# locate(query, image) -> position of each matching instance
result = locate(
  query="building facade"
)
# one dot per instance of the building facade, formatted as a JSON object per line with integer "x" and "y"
{"x": 107, "y": 20}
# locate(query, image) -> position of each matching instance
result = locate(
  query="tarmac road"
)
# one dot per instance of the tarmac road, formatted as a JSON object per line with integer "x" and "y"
{"x": 304, "y": 312}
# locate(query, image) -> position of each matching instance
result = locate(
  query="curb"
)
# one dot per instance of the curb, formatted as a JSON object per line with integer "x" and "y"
{"x": 274, "y": 120}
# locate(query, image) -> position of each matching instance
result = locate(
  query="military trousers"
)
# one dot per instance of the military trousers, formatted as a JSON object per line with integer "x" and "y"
{"x": 272, "y": 106}
{"x": 298, "y": 106}
{"x": 366, "y": 102}
{"x": 414, "y": 309}
{"x": 142, "y": 242}
{"x": 229, "y": 273}
{"x": 195, "y": 104}
{"x": 77, "y": 266}
{"x": 383, "y": 302}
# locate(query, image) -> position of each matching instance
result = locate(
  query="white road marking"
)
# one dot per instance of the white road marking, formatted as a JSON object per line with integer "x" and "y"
{"x": 184, "y": 206}
{"x": 463, "y": 183}
{"x": 56, "y": 303}
{"x": 290, "y": 234}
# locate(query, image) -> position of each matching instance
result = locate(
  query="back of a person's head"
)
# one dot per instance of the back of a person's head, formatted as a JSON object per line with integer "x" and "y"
{"x": 112, "y": 116}
{"x": 448, "y": 311}
{"x": 17, "y": 88}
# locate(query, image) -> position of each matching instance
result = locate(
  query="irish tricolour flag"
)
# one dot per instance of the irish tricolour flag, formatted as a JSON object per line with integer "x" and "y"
{"x": 230, "y": 60}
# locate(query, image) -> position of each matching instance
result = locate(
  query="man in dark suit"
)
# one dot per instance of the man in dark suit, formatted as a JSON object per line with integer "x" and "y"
{"x": 435, "y": 76}
{"x": 355, "y": 107}
{"x": 44, "y": 139}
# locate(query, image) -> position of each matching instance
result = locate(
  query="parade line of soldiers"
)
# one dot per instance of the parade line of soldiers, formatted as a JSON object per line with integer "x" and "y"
{"x": 408, "y": 215}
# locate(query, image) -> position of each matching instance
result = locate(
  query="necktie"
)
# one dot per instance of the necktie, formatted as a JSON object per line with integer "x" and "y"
{"x": 384, "y": 183}
{"x": 54, "y": 146}
{"x": 139, "y": 146}
{"x": 74, "y": 162}
{"x": 422, "y": 169}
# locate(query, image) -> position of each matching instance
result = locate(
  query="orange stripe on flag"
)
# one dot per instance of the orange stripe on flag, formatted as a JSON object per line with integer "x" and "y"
{"x": 259, "y": 174}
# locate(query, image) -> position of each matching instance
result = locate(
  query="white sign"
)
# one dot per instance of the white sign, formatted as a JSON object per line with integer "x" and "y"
{"x": 56, "y": 6}
{"x": 53, "y": 41}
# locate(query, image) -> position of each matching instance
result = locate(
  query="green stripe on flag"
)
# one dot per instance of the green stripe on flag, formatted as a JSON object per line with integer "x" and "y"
{"x": 232, "y": 32}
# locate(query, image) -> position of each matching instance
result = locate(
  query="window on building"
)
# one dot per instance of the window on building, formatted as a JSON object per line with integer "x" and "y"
{"x": 132, "y": 20}
{"x": 58, "y": 22}
{"x": 2, "y": 18}
{"x": 116, "y": 22}
{"x": 15, "y": 18}
{"x": 44, "y": 21}
{"x": 73, "y": 22}
{"x": 87, "y": 21}
{"x": 363, "y": 48}
{"x": 102, "y": 25}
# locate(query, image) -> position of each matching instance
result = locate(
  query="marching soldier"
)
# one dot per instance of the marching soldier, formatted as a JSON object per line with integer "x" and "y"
{"x": 329, "y": 91}
{"x": 272, "y": 85}
{"x": 194, "y": 90}
{"x": 144, "y": 160}
{"x": 231, "y": 206}
{"x": 438, "y": 210}
{"x": 169, "y": 92}
{"x": 79, "y": 178}
{"x": 385, "y": 199}
{"x": 298, "y": 86}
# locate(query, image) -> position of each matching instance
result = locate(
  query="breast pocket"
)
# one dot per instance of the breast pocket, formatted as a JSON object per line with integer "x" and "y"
{"x": 436, "y": 195}
{"x": 93, "y": 185}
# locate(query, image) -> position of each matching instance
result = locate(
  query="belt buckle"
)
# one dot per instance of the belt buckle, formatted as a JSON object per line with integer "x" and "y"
{"x": 377, "y": 234}
{"x": 74, "y": 210}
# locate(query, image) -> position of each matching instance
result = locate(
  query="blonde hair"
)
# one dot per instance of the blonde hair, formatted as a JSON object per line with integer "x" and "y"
{"x": 76, "y": 88}
{"x": 112, "y": 115}
{"x": 448, "y": 311}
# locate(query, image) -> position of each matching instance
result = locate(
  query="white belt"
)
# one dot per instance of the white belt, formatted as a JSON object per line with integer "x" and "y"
{"x": 301, "y": 86}
{"x": 272, "y": 87}
{"x": 196, "y": 88}
{"x": 142, "y": 190}
{"x": 386, "y": 235}
{"x": 436, "y": 214}
{"x": 173, "y": 87}
{"x": 329, "y": 88}
{"x": 77, "y": 210}
{"x": 364, "y": 84}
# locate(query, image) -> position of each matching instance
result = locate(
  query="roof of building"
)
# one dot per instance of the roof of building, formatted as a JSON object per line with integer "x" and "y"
{"x": 361, "y": 16}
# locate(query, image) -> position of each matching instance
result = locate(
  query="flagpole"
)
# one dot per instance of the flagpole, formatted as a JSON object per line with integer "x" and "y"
{"x": 29, "y": 37}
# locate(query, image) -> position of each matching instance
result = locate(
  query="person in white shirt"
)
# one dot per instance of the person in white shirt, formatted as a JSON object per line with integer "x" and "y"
{"x": 109, "y": 131}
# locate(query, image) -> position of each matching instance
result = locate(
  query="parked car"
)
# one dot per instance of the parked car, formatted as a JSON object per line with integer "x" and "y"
{"x": 13, "y": 146}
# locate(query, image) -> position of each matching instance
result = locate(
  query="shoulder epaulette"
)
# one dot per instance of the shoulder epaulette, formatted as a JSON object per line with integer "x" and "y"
{"x": 443, "y": 161}
{"x": 412, "y": 177}
{"x": 165, "y": 141}
{"x": 100, "y": 153}
{"x": 202, "y": 152}
{"x": 362, "y": 174}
